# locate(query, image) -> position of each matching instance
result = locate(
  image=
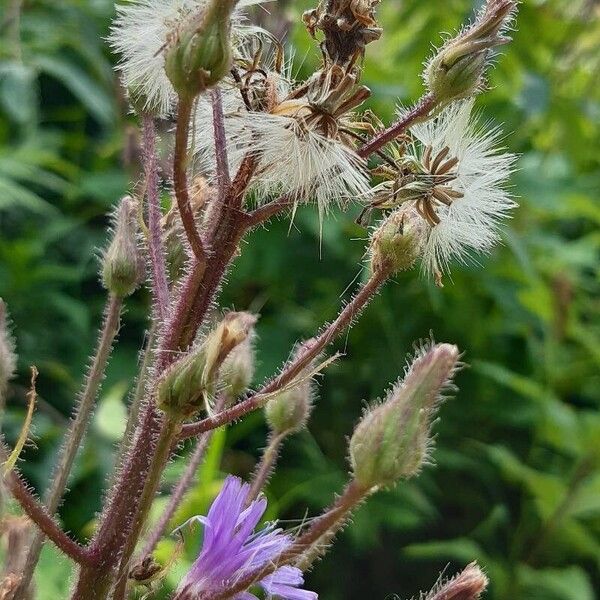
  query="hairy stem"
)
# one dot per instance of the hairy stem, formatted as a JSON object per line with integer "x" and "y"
{"x": 76, "y": 432}
{"x": 160, "y": 286}
{"x": 421, "y": 109}
{"x": 136, "y": 399}
{"x": 223, "y": 177}
{"x": 309, "y": 352}
{"x": 180, "y": 181}
{"x": 39, "y": 514}
{"x": 266, "y": 466}
{"x": 181, "y": 487}
{"x": 160, "y": 459}
{"x": 353, "y": 495}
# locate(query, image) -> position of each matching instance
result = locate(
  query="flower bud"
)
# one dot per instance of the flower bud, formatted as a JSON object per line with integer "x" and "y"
{"x": 393, "y": 438}
{"x": 190, "y": 383}
{"x": 457, "y": 70}
{"x": 8, "y": 358}
{"x": 467, "y": 585}
{"x": 288, "y": 412}
{"x": 200, "y": 55}
{"x": 397, "y": 242}
{"x": 122, "y": 265}
{"x": 238, "y": 369}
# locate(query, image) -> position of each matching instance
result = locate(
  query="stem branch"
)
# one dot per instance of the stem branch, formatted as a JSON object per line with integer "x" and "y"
{"x": 420, "y": 109}
{"x": 180, "y": 181}
{"x": 160, "y": 286}
{"x": 78, "y": 427}
{"x": 308, "y": 353}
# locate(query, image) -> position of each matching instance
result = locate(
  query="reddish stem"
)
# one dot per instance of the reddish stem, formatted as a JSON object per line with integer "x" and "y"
{"x": 421, "y": 109}
{"x": 180, "y": 184}
{"x": 44, "y": 520}
{"x": 155, "y": 243}
{"x": 309, "y": 352}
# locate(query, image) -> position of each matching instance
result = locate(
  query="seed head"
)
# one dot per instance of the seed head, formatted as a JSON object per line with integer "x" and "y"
{"x": 122, "y": 265}
{"x": 199, "y": 54}
{"x": 393, "y": 439}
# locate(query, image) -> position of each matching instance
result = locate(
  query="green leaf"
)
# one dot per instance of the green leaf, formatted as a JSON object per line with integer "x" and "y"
{"x": 571, "y": 583}
{"x": 81, "y": 85}
{"x": 18, "y": 92}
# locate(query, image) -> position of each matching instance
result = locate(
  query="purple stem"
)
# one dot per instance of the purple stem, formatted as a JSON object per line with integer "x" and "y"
{"x": 309, "y": 352}
{"x": 181, "y": 488}
{"x": 223, "y": 177}
{"x": 422, "y": 108}
{"x": 155, "y": 243}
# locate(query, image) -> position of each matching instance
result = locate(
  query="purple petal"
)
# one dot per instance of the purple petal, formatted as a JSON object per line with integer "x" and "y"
{"x": 285, "y": 582}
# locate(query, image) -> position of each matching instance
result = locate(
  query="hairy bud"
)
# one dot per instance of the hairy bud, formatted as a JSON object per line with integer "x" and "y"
{"x": 457, "y": 70}
{"x": 392, "y": 440}
{"x": 288, "y": 412}
{"x": 199, "y": 54}
{"x": 190, "y": 383}
{"x": 8, "y": 358}
{"x": 122, "y": 266}
{"x": 397, "y": 243}
{"x": 467, "y": 585}
{"x": 238, "y": 368}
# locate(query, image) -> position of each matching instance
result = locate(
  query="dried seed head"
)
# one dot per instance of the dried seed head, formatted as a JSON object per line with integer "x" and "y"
{"x": 397, "y": 243}
{"x": 199, "y": 54}
{"x": 348, "y": 26}
{"x": 467, "y": 585}
{"x": 190, "y": 383}
{"x": 457, "y": 70}
{"x": 122, "y": 265}
{"x": 392, "y": 440}
{"x": 8, "y": 358}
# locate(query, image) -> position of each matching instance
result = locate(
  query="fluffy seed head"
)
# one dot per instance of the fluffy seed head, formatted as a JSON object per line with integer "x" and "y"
{"x": 198, "y": 55}
{"x": 392, "y": 440}
{"x": 142, "y": 31}
{"x": 452, "y": 176}
{"x": 122, "y": 263}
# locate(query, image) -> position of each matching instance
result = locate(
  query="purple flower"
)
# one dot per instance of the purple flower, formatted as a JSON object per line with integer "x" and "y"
{"x": 231, "y": 549}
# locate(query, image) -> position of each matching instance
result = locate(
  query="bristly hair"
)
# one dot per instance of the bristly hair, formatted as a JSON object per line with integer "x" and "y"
{"x": 139, "y": 33}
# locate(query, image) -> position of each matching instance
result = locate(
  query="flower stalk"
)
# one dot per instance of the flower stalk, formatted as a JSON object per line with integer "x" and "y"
{"x": 77, "y": 430}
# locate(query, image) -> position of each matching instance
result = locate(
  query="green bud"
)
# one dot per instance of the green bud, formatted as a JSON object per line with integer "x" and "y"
{"x": 288, "y": 411}
{"x": 8, "y": 358}
{"x": 190, "y": 383}
{"x": 397, "y": 243}
{"x": 122, "y": 265}
{"x": 393, "y": 439}
{"x": 199, "y": 55}
{"x": 238, "y": 369}
{"x": 457, "y": 70}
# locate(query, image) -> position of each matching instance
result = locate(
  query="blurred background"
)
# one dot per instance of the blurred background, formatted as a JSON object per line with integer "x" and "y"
{"x": 516, "y": 484}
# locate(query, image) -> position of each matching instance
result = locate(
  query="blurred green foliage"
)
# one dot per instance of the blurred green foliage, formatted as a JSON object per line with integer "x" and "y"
{"x": 516, "y": 483}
